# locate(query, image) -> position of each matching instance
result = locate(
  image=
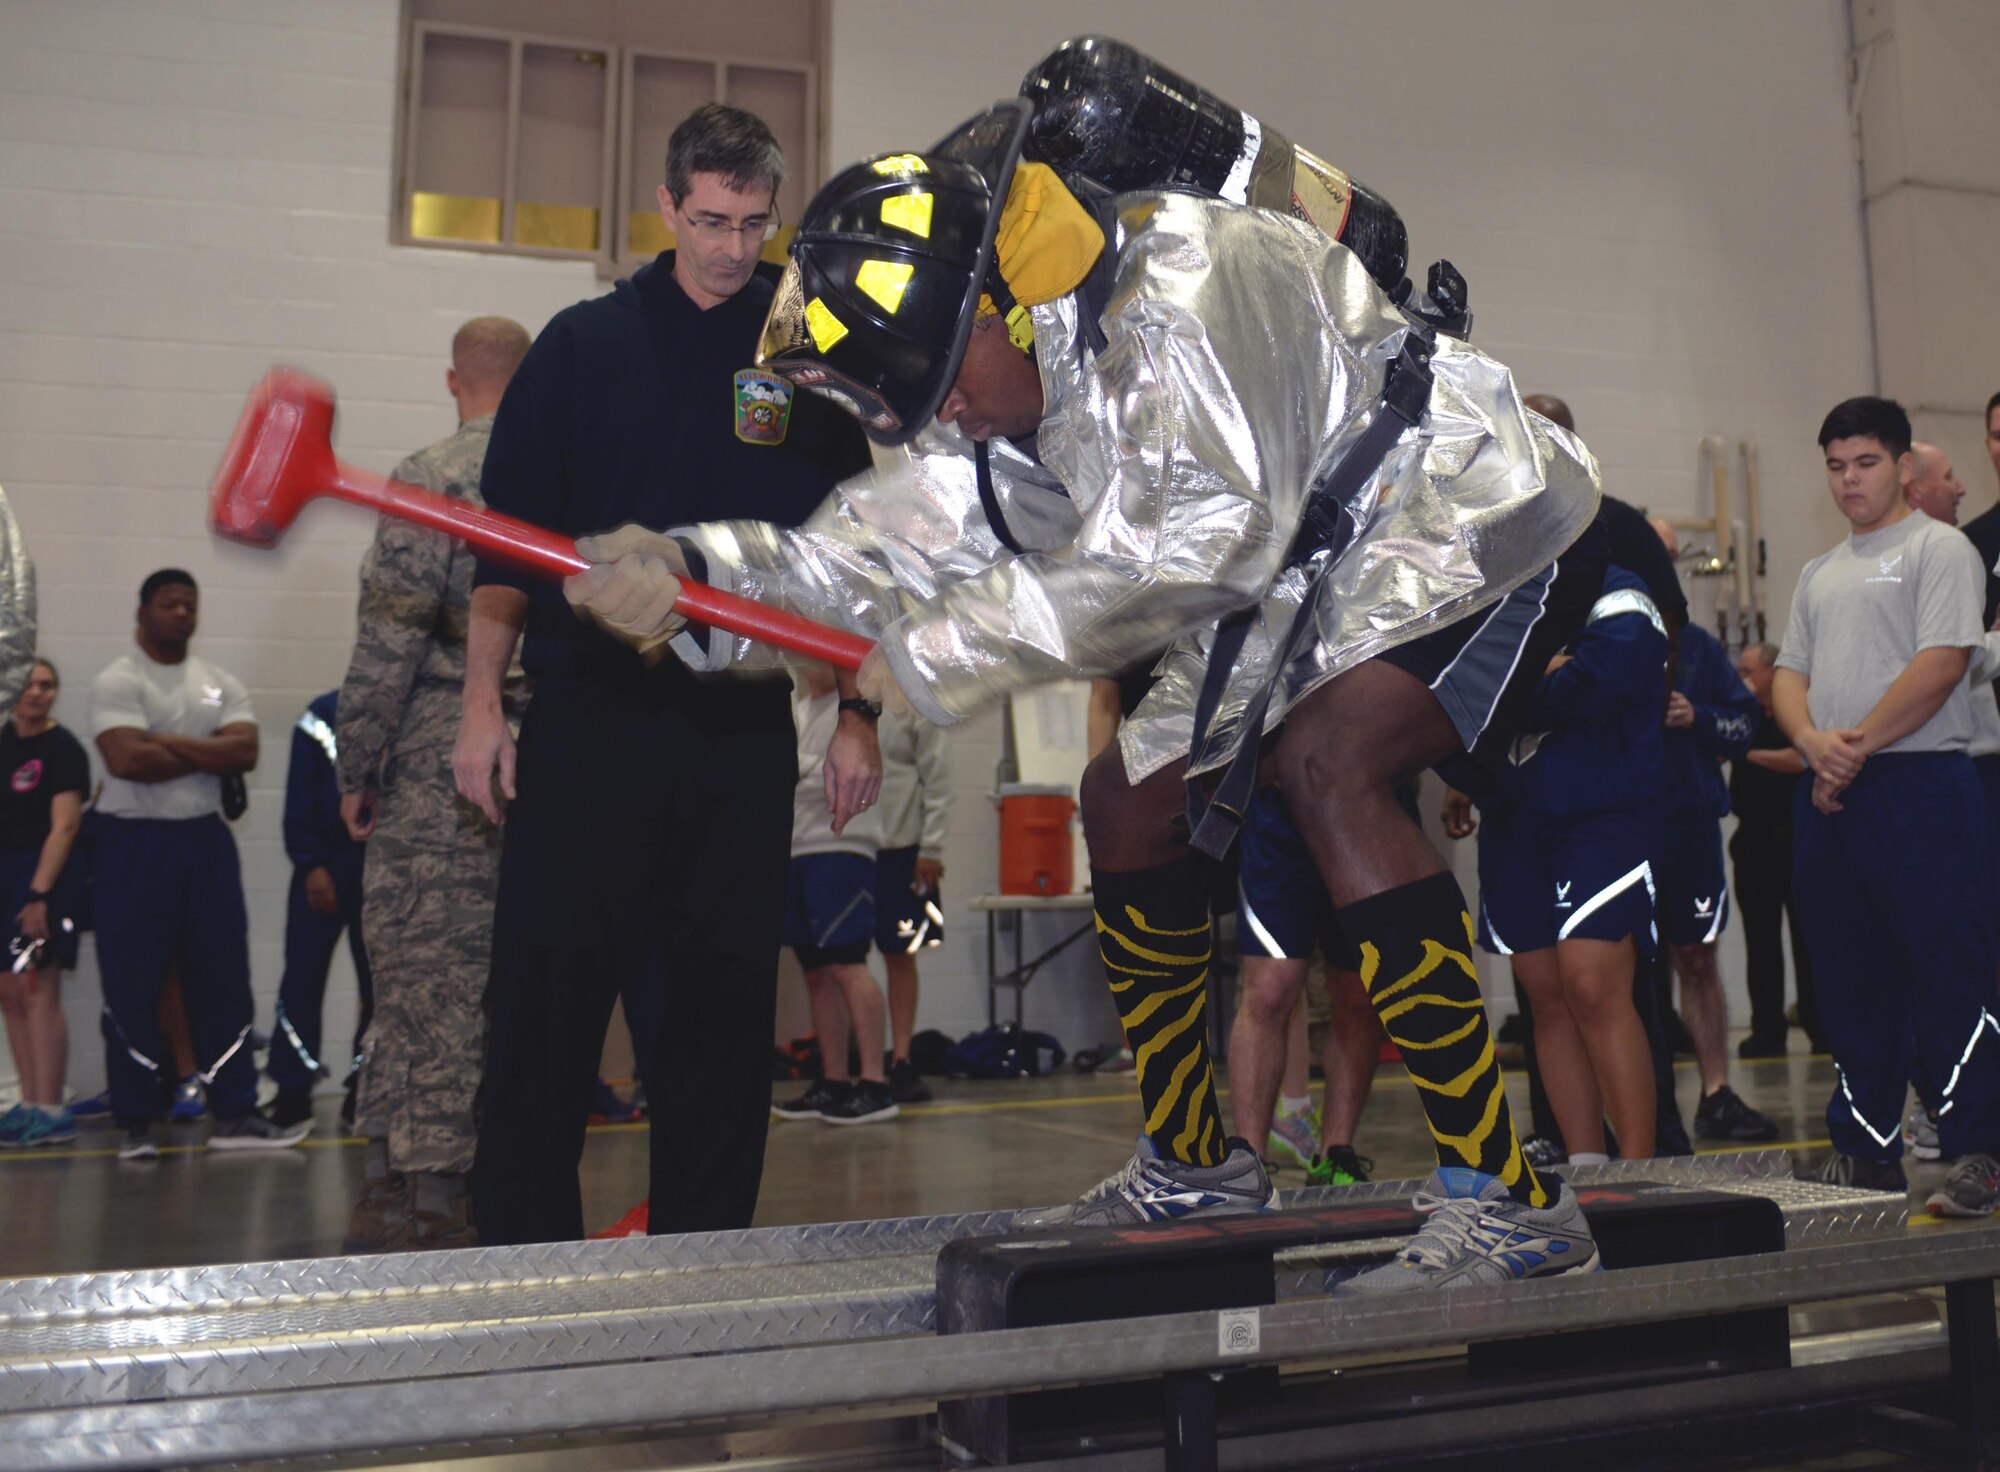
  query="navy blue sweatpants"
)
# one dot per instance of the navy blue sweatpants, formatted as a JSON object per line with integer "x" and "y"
{"x": 1895, "y": 896}
{"x": 169, "y": 894}
{"x": 310, "y": 941}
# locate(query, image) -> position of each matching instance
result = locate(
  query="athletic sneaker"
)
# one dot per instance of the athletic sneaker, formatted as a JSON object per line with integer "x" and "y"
{"x": 1754, "y": 1047}
{"x": 1151, "y": 1188}
{"x": 812, "y": 1103}
{"x": 906, "y": 1083}
{"x": 1475, "y": 1232}
{"x": 97, "y": 1106}
{"x": 290, "y": 1109}
{"x": 44, "y": 1128}
{"x": 863, "y": 1102}
{"x": 1294, "y": 1138}
{"x": 607, "y": 1108}
{"x": 255, "y": 1132}
{"x": 138, "y": 1144}
{"x": 1972, "y": 1188}
{"x": 1723, "y": 1115}
{"x": 1862, "y": 1175}
{"x": 1340, "y": 1166}
{"x": 1920, "y": 1135}
{"x": 14, "y": 1124}
{"x": 190, "y": 1103}
{"x": 1541, "y": 1152}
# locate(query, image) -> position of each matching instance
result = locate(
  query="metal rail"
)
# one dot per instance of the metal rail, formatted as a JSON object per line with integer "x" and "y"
{"x": 205, "y": 1336}
{"x": 827, "y": 1377}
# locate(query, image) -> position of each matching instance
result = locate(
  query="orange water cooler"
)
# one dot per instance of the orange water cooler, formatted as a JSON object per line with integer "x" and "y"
{"x": 1037, "y": 851}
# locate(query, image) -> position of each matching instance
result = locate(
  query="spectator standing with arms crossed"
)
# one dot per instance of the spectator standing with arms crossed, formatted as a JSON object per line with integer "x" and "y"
{"x": 433, "y": 858}
{"x": 1891, "y": 857}
{"x": 168, "y": 891}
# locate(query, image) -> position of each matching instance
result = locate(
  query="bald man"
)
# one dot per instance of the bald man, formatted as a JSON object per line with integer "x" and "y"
{"x": 433, "y": 859}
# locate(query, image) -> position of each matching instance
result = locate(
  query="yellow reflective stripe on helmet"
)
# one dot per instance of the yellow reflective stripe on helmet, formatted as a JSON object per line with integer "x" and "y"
{"x": 900, "y": 163}
{"x": 826, "y": 329}
{"x": 911, "y": 212}
{"x": 885, "y": 281}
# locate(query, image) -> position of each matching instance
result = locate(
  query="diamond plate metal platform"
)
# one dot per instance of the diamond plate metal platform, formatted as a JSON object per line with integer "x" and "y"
{"x": 120, "y": 1337}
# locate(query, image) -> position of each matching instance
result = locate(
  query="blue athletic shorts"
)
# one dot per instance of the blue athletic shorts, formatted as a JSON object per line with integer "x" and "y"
{"x": 1694, "y": 895}
{"x": 1588, "y": 877}
{"x": 905, "y": 922}
{"x": 1282, "y": 908}
{"x": 830, "y": 909}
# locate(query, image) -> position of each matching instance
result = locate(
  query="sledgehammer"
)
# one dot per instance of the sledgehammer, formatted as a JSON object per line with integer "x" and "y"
{"x": 281, "y": 457}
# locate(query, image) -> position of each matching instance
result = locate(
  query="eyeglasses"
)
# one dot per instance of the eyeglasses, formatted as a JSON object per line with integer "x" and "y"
{"x": 716, "y": 228}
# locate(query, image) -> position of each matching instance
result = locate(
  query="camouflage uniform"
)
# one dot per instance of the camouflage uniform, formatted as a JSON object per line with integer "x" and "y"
{"x": 433, "y": 860}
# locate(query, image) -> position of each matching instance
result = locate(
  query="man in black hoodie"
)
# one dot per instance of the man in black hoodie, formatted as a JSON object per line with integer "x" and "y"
{"x": 648, "y": 813}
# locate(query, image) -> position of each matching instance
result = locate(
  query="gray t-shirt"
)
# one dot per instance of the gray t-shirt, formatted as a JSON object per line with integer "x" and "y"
{"x": 1865, "y": 609}
{"x": 192, "y": 698}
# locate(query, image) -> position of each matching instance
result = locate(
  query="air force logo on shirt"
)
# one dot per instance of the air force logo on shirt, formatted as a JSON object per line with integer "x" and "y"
{"x": 211, "y": 694}
{"x": 1892, "y": 569}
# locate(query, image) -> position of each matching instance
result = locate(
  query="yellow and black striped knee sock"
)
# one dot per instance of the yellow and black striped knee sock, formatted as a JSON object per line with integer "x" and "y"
{"x": 1416, "y": 961}
{"x": 1153, "y": 932}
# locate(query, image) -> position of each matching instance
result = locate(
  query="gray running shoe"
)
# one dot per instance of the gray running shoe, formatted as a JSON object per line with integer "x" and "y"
{"x": 1862, "y": 1175}
{"x": 255, "y": 1132}
{"x": 138, "y": 1144}
{"x": 1151, "y": 1189}
{"x": 1972, "y": 1188}
{"x": 1920, "y": 1135}
{"x": 1478, "y": 1233}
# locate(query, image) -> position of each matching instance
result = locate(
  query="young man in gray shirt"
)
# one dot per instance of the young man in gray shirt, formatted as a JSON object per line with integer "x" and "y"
{"x": 1891, "y": 861}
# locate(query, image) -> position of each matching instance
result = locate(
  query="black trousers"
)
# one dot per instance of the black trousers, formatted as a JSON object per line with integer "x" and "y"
{"x": 645, "y": 858}
{"x": 1764, "y": 901}
{"x": 310, "y": 941}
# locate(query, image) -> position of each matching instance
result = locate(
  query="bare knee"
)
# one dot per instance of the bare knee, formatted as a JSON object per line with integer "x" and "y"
{"x": 1271, "y": 988}
{"x": 1130, "y": 825}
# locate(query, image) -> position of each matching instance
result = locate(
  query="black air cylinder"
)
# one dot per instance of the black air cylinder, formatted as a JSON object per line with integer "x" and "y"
{"x": 1108, "y": 115}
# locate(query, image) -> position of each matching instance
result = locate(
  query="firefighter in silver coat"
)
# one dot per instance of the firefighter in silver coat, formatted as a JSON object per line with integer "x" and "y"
{"x": 1149, "y": 465}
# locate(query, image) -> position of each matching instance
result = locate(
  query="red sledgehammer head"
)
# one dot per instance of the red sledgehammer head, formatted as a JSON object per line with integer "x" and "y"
{"x": 280, "y": 457}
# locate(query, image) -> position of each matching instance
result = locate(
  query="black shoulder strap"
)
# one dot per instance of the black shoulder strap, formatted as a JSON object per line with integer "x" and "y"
{"x": 1213, "y": 820}
{"x": 989, "y": 498}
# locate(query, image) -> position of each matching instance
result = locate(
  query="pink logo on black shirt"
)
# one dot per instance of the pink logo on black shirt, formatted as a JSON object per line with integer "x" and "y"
{"x": 28, "y": 776}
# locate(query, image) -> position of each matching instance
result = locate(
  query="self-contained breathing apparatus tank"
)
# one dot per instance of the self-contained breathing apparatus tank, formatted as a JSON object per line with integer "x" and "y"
{"x": 1109, "y": 119}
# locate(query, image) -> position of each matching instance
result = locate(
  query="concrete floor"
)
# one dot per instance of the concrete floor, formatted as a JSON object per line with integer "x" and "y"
{"x": 979, "y": 1146}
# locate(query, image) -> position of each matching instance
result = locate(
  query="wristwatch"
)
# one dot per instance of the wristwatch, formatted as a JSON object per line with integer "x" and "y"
{"x": 867, "y": 708}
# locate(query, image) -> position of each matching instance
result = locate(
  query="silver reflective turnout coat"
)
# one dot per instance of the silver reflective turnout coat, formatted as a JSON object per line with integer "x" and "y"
{"x": 1244, "y": 353}
{"x": 17, "y": 610}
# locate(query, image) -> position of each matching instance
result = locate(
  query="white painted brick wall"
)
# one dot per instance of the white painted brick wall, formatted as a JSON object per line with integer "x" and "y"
{"x": 1655, "y": 207}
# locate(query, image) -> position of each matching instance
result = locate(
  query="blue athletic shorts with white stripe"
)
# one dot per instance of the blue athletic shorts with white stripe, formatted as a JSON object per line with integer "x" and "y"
{"x": 1282, "y": 909}
{"x": 1585, "y": 877}
{"x": 1694, "y": 895}
{"x": 830, "y": 909}
{"x": 1484, "y": 668}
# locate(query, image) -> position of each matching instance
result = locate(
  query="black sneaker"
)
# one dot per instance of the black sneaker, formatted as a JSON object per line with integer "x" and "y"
{"x": 1863, "y": 1175}
{"x": 866, "y": 1102}
{"x": 813, "y": 1102}
{"x": 350, "y": 1088}
{"x": 290, "y": 1109}
{"x": 907, "y": 1084}
{"x": 138, "y": 1144}
{"x": 1755, "y": 1047}
{"x": 254, "y": 1132}
{"x": 1724, "y": 1116}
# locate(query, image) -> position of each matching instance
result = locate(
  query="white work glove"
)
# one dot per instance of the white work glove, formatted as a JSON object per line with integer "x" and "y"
{"x": 632, "y": 585}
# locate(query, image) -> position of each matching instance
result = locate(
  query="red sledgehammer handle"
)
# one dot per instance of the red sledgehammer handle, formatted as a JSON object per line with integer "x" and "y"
{"x": 553, "y": 555}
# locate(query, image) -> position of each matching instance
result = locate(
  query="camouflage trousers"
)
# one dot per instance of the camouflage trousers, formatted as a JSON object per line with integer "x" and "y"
{"x": 427, "y": 914}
